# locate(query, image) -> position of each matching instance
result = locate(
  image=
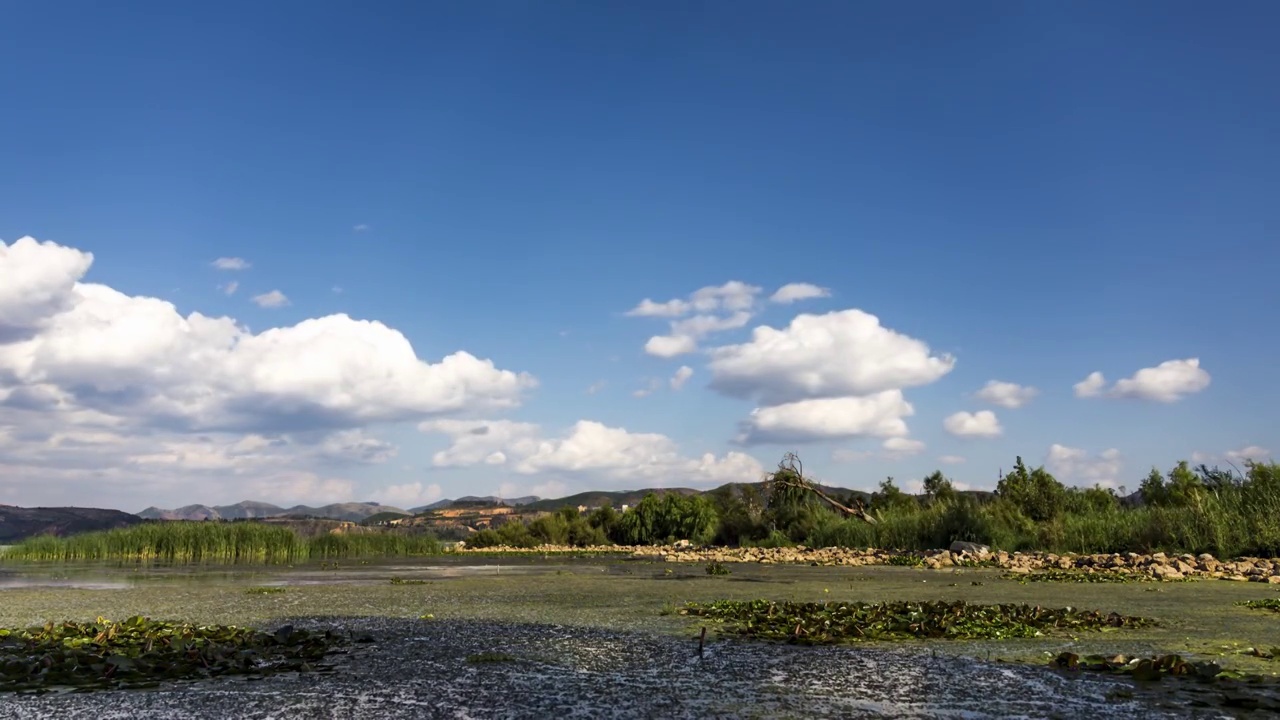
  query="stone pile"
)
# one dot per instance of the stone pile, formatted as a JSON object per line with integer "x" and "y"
{"x": 1156, "y": 566}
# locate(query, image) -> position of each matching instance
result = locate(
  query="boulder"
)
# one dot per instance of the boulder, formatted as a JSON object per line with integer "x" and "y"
{"x": 960, "y": 546}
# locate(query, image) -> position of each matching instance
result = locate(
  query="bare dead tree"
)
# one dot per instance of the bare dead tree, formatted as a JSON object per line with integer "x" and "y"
{"x": 790, "y": 475}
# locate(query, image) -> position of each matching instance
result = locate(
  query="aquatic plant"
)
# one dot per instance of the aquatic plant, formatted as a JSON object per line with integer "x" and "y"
{"x": 397, "y": 580}
{"x": 1272, "y": 604}
{"x": 833, "y": 622}
{"x": 1077, "y": 576}
{"x": 140, "y": 652}
{"x": 715, "y": 567}
{"x": 265, "y": 591}
{"x": 239, "y": 542}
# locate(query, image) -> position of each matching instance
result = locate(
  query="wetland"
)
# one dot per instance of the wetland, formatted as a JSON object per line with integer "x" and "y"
{"x": 534, "y": 636}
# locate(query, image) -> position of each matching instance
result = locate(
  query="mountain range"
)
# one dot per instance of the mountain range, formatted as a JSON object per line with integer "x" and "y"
{"x": 248, "y": 509}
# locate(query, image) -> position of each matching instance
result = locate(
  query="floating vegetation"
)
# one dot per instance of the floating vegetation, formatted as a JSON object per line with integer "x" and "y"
{"x": 907, "y": 560}
{"x": 1154, "y": 668}
{"x": 715, "y": 567}
{"x": 397, "y": 580}
{"x": 1272, "y": 604}
{"x": 265, "y": 591}
{"x": 140, "y": 652}
{"x": 491, "y": 657}
{"x": 238, "y": 542}
{"x": 834, "y": 622}
{"x": 1076, "y": 576}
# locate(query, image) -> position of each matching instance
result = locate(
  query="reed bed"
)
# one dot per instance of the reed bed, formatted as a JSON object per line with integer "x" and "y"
{"x": 214, "y": 542}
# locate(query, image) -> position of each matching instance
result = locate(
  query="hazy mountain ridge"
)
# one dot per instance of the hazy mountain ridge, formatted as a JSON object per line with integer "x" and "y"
{"x": 17, "y": 523}
{"x": 477, "y": 500}
{"x": 249, "y": 509}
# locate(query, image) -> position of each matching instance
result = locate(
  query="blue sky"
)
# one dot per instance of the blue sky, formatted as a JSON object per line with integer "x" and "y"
{"x": 1036, "y": 191}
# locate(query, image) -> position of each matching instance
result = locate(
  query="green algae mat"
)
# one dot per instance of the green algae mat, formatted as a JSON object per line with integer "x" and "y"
{"x": 140, "y": 652}
{"x": 834, "y": 622}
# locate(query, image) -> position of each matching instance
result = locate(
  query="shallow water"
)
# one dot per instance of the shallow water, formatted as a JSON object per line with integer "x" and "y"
{"x": 592, "y": 641}
{"x": 420, "y": 669}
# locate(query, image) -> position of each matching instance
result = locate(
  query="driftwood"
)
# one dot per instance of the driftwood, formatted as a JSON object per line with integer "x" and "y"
{"x": 790, "y": 474}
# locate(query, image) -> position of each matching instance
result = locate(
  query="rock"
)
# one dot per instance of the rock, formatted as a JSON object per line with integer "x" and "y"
{"x": 960, "y": 546}
{"x": 1274, "y": 579}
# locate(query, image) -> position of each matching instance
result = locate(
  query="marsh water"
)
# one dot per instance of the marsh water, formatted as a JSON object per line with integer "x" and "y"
{"x": 589, "y": 638}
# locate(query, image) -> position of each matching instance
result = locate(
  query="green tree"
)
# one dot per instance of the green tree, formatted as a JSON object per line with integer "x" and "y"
{"x": 1035, "y": 493}
{"x": 937, "y": 487}
{"x": 1154, "y": 491}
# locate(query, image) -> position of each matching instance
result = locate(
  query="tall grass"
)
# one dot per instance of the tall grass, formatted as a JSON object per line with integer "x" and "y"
{"x": 196, "y": 542}
{"x": 1229, "y": 522}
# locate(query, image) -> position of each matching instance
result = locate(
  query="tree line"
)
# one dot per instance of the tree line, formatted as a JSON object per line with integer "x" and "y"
{"x": 1187, "y": 509}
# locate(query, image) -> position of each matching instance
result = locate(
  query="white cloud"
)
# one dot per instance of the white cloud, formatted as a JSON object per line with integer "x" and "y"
{"x": 649, "y": 308}
{"x": 844, "y": 455}
{"x": 682, "y": 375}
{"x": 1167, "y": 382}
{"x": 1091, "y": 386}
{"x": 273, "y": 299}
{"x": 877, "y": 415}
{"x": 1249, "y": 452}
{"x": 669, "y": 346}
{"x": 409, "y": 495}
{"x": 38, "y": 282}
{"x": 596, "y": 387}
{"x": 231, "y": 263}
{"x": 982, "y": 424}
{"x": 951, "y": 459}
{"x": 592, "y": 452}
{"x": 94, "y": 349}
{"x": 1006, "y": 394}
{"x": 717, "y": 307}
{"x": 1078, "y": 467}
{"x": 360, "y": 228}
{"x": 649, "y": 389}
{"x": 230, "y": 288}
{"x": 793, "y": 292}
{"x": 824, "y": 356}
{"x": 900, "y": 447}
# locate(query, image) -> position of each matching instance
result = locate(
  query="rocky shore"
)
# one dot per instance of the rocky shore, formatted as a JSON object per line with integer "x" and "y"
{"x": 1156, "y": 566}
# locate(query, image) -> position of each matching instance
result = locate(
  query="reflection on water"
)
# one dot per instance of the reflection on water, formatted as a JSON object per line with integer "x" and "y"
{"x": 118, "y": 576}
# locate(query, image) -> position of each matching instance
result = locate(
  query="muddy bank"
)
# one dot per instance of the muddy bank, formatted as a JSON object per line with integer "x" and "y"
{"x": 1156, "y": 566}
{"x": 421, "y": 669}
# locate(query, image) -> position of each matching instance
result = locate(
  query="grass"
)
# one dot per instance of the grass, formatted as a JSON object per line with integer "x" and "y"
{"x": 196, "y": 542}
{"x": 266, "y": 591}
{"x": 834, "y": 622}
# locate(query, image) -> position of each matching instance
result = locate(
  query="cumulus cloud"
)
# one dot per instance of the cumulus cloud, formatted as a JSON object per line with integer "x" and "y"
{"x": 38, "y": 282}
{"x": 231, "y": 263}
{"x": 87, "y": 348}
{"x": 900, "y": 447}
{"x": 794, "y": 292}
{"x": 1167, "y": 382}
{"x": 823, "y": 356}
{"x": 951, "y": 459}
{"x": 1091, "y": 386}
{"x": 596, "y": 387}
{"x": 877, "y": 415}
{"x": 715, "y": 308}
{"x": 1249, "y": 452}
{"x": 273, "y": 299}
{"x": 682, "y": 375}
{"x": 589, "y": 452}
{"x": 1077, "y": 466}
{"x": 409, "y": 495}
{"x": 1006, "y": 394}
{"x": 230, "y": 288}
{"x": 649, "y": 389}
{"x": 982, "y": 424}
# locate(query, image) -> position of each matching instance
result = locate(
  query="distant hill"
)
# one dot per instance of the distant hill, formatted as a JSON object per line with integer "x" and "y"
{"x": 474, "y": 500}
{"x": 18, "y": 523}
{"x": 596, "y": 498}
{"x": 354, "y": 512}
